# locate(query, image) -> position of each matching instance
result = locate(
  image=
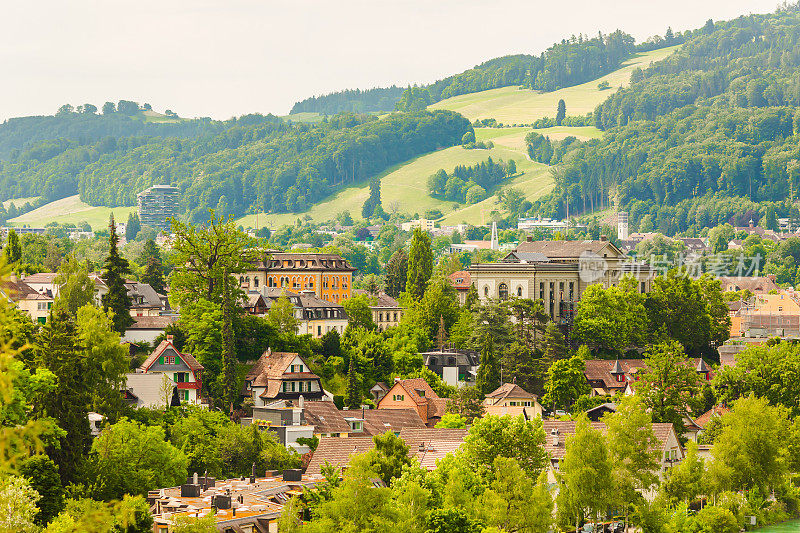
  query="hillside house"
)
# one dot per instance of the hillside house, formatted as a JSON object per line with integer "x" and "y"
{"x": 455, "y": 367}
{"x": 418, "y": 395}
{"x": 608, "y": 377}
{"x": 182, "y": 368}
{"x": 281, "y": 376}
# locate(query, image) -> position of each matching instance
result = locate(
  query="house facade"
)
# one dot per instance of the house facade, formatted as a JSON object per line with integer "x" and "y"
{"x": 34, "y": 303}
{"x": 181, "y": 368}
{"x": 608, "y": 377}
{"x": 418, "y": 395}
{"x": 315, "y": 316}
{"x": 328, "y": 276}
{"x": 455, "y": 367}
{"x": 281, "y": 376}
{"x": 386, "y": 311}
{"x": 512, "y": 395}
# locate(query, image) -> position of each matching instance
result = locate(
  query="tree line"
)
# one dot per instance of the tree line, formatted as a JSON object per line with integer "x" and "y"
{"x": 377, "y": 100}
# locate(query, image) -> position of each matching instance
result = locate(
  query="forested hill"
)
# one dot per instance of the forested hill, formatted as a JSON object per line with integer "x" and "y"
{"x": 256, "y": 163}
{"x": 86, "y": 125}
{"x": 703, "y": 136}
{"x": 351, "y": 101}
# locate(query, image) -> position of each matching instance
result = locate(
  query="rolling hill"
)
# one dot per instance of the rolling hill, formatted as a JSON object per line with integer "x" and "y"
{"x": 71, "y": 210}
{"x": 513, "y": 105}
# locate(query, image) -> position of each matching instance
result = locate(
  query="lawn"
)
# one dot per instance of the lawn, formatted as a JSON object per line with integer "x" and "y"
{"x": 71, "y": 209}
{"x": 512, "y": 105}
{"x": 404, "y": 188}
{"x": 19, "y": 202}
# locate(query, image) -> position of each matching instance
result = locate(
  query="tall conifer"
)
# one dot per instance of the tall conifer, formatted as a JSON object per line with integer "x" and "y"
{"x": 114, "y": 269}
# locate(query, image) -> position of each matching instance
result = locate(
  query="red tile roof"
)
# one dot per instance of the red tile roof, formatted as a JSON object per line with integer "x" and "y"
{"x": 325, "y": 417}
{"x": 703, "y": 420}
{"x": 510, "y": 390}
{"x": 599, "y": 370}
{"x": 337, "y": 451}
{"x": 379, "y": 421}
{"x": 463, "y": 275}
{"x": 567, "y": 428}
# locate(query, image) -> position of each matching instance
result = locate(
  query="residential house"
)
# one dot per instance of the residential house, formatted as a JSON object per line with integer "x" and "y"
{"x": 386, "y": 311}
{"x": 379, "y": 390}
{"x": 755, "y": 284}
{"x": 328, "y": 276}
{"x": 428, "y": 445}
{"x": 716, "y": 412}
{"x": 45, "y": 282}
{"x": 371, "y": 422}
{"x": 455, "y": 367}
{"x": 182, "y": 368}
{"x": 148, "y": 328}
{"x": 512, "y": 395}
{"x": 36, "y": 304}
{"x": 461, "y": 282}
{"x": 145, "y": 301}
{"x": 285, "y": 419}
{"x": 327, "y": 419}
{"x": 595, "y": 414}
{"x": 557, "y": 272}
{"x": 315, "y": 316}
{"x": 281, "y": 376}
{"x": 415, "y": 394}
{"x": 608, "y": 377}
{"x": 769, "y": 315}
{"x": 668, "y": 446}
{"x": 695, "y": 245}
{"x": 256, "y": 304}
{"x": 421, "y": 223}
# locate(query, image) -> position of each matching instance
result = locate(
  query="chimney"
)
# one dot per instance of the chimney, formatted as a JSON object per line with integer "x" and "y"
{"x": 397, "y": 379}
{"x": 603, "y": 238}
{"x": 253, "y": 474}
{"x": 529, "y": 238}
{"x": 301, "y": 401}
{"x": 170, "y": 338}
{"x": 421, "y": 447}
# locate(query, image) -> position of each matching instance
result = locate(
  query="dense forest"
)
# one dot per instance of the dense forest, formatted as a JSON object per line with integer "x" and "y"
{"x": 254, "y": 162}
{"x": 469, "y": 184}
{"x": 377, "y": 100}
{"x": 714, "y": 124}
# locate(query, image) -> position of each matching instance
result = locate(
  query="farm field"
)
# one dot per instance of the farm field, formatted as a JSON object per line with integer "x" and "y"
{"x": 404, "y": 187}
{"x": 512, "y": 105}
{"x": 71, "y": 209}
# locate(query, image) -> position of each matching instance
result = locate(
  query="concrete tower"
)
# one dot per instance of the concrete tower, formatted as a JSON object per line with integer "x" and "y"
{"x": 495, "y": 240}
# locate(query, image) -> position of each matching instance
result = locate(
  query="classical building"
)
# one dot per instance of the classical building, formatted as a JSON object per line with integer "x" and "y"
{"x": 157, "y": 205}
{"x": 181, "y": 368}
{"x": 557, "y": 272}
{"x": 329, "y": 276}
{"x": 281, "y": 376}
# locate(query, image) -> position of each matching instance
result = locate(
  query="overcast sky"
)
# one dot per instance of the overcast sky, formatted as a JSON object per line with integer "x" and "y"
{"x": 221, "y": 58}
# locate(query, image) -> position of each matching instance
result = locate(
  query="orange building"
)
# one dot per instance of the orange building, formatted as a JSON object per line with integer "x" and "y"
{"x": 415, "y": 394}
{"x": 329, "y": 276}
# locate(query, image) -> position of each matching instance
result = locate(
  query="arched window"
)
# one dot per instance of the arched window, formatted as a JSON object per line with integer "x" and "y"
{"x": 486, "y": 291}
{"x": 241, "y": 279}
{"x": 503, "y": 291}
{"x": 519, "y": 291}
{"x": 255, "y": 282}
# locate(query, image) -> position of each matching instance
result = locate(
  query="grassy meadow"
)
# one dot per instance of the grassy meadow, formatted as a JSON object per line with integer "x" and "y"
{"x": 71, "y": 209}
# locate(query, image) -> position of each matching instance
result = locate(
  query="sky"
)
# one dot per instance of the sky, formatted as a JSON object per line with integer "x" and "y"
{"x": 224, "y": 58}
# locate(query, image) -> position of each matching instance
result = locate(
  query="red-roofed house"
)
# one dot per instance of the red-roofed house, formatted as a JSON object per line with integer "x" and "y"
{"x": 461, "y": 282}
{"x": 415, "y": 394}
{"x": 609, "y": 377}
{"x": 281, "y": 376}
{"x": 181, "y": 368}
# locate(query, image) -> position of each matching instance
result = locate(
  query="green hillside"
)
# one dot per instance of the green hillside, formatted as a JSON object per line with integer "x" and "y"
{"x": 404, "y": 187}
{"x": 513, "y": 105}
{"x": 71, "y": 210}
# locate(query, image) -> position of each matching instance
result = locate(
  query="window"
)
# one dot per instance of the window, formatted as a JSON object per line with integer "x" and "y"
{"x": 519, "y": 291}
{"x": 319, "y": 331}
{"x": 300, "y": 386}
{"x": 486, "y": 291}
{"x": 503, "y": 291}
{"x": 255, "y": 282}
{"x": 325, "y": 282}
{"x": 433, "y": 361}
{"x": 643, "y": 285}
{"x": 421, "y": 393}
{"x": 398, "y": 397}
{"x": 395, "y": 317}
{"x": 181, "y": 377}
{"x": 541, "y": 290}
{"x": 380, "y": 317}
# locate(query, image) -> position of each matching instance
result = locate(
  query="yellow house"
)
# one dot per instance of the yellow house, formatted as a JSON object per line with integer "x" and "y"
{"x": 36, "y": 304}
{"x": 511, "y": 395}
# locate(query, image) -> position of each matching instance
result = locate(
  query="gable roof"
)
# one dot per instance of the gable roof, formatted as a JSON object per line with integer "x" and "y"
{"x": 464, "y": 277}
{"x": 381, "y": 299}
{"x": 16, "y": 289}
{"x": 190, "y": 361}
{"x": 337, "y": 451}
{"x": 272, "y": 365}
{"x": 509, "y": 390}
{"x": 755, "y": 284}
{"x": 379, "y": 421}
{"x": 325, "y": 417}
{"x": 716, "y": 411}
{"x": 414, "y": 435}
{"x": 414, "y": 386}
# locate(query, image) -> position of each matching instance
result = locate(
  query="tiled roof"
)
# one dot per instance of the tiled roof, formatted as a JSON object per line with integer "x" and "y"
{"x": 510, "y": 390}
{"x": 432, "y": 451}
{"x": 190, "y": 361}
{"x": 703, "y": 420}
{"x": 567, "y": 428}
{"x": 511, "y": 410}
{"x": 144, "y": 292}
{"x": 382, "y": 299}
{"x": 152, "y": 322}
{"x": 325, "y": 417}
{"x": 41, "y": 277}
{"x": 16, "y": 290}
{"x": 414, "y": 385}
{"x": 412, "y": 435}
{"x": 337, "y": 451}
{"x": 269, "y": 372}
{"x": 563, "y": 249}
{"x": 463, "y": 275}
{"x": 304, "y": 261}
{"x": 379, "y": 421}
{"x": 600, "y": 370}
{"x": 756, "y": 285}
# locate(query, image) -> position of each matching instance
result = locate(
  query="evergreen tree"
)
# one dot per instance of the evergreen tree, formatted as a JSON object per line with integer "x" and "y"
{"x": 13, "y": 249}
{"x": 42, "y": 474}
{"x": 57, "y": 351}
{"x": 154, "y": 271}
{"x": 353, "y": 398}
{"x": 133, "y": 227}
{"x": 374, "y": 199}
{"x": 488, "y": 378}
{"x": 420, "y": 264}
{"x": 114, "y": 270}
{"x": 397, "y": 273}
{"x": 561, "y": 113}
{"x": 554, "y": 346}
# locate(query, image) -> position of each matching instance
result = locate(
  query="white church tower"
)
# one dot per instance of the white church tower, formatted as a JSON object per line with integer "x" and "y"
{"x": 495, "y": 240}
